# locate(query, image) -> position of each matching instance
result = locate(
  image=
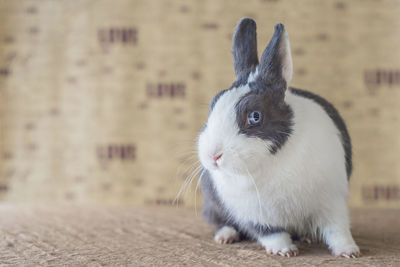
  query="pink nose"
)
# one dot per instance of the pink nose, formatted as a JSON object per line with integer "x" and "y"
{"x": 217, "y": 157}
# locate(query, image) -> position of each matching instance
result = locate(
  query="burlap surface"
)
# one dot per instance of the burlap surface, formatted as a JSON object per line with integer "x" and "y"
{"x": 121, "y": 236}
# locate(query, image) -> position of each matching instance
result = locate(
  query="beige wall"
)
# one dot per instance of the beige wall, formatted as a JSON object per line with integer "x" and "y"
{"x": 101, "y": 101}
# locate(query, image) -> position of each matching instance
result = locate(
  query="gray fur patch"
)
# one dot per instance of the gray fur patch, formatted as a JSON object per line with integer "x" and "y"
{"x": 270, "y": 78}
{"x": 262, "y": 230}
{"x": 244, "y": 51}
{"x": 276, "y": 119}
{"x": 337, "y": 119}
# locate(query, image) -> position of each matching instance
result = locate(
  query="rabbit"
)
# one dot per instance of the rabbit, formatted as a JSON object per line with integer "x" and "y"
{"x": 276, "y": 160}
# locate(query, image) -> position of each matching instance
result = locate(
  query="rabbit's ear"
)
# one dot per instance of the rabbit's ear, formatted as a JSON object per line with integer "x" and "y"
{"x": 276, "y": 68}
{"x": 244, "y": 50}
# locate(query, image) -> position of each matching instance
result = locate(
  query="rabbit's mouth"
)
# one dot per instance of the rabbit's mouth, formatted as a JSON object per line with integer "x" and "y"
{"x": 213, "y": 161}
{"x": 217, "y": 159}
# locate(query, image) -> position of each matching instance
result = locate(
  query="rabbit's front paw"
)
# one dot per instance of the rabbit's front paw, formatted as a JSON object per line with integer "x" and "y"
{"x": 279, "y": 244}
{"x": 226, "y": 235}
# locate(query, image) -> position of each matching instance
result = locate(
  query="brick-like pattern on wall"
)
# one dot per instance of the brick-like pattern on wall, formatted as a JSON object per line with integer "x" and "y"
{"x": 102, "y": 102}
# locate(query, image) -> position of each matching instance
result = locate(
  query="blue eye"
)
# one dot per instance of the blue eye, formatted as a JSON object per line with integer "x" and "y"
{"x": 254, "y": 117}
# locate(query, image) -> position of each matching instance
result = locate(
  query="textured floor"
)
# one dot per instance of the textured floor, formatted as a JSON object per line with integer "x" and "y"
{"x": 116, "y": 236}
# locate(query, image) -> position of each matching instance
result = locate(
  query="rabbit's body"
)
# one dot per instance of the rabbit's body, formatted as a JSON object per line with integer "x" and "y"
{"x": 313, "y": 141}
{"x": 276, "y": 159}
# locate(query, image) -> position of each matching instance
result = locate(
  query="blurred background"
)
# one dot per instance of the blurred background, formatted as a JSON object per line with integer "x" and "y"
{"x": 102, "y": 101}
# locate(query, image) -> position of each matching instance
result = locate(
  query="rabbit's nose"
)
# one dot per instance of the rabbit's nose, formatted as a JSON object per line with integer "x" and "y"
{"x": 217, "y": 159}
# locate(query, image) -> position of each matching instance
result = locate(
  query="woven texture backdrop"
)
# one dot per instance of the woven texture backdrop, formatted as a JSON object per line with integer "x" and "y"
{"x": 102, "y": 101}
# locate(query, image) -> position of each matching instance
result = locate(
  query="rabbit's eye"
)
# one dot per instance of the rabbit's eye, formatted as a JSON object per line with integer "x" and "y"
{"x": 254, "y": 117}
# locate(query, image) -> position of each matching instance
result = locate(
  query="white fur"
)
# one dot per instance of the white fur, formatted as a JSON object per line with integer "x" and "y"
{"x": 301, "y": 188}
{"x": 226, "y": 235}
{"x": 252, "y": 76}
{"x": 279, "y": 243}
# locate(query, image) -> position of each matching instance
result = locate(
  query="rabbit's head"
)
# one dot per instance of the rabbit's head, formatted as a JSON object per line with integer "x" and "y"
{"x": 250, "y": 122}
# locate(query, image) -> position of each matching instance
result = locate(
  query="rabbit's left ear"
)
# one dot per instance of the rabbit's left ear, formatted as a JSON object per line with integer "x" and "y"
{"x": 276, "y": 68}
{"x": 244, "y": 51}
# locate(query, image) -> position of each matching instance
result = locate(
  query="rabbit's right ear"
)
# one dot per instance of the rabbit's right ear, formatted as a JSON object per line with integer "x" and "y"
{"x": 244, "y": 50}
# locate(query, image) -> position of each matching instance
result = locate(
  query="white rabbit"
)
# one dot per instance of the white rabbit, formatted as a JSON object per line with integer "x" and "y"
{"x": 276, "y": 159}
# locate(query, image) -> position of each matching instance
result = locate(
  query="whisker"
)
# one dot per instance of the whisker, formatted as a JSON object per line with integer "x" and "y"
{"x": 195, "y": 173}
{"x": 182, "y": 170}
{"x": 195, "y": 191}
{"x": 187, "y": 181}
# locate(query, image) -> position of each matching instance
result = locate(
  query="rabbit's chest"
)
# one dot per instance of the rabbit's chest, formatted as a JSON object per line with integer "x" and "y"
{"x": 245, "y": 206}
{"x": 247, "y": 202}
